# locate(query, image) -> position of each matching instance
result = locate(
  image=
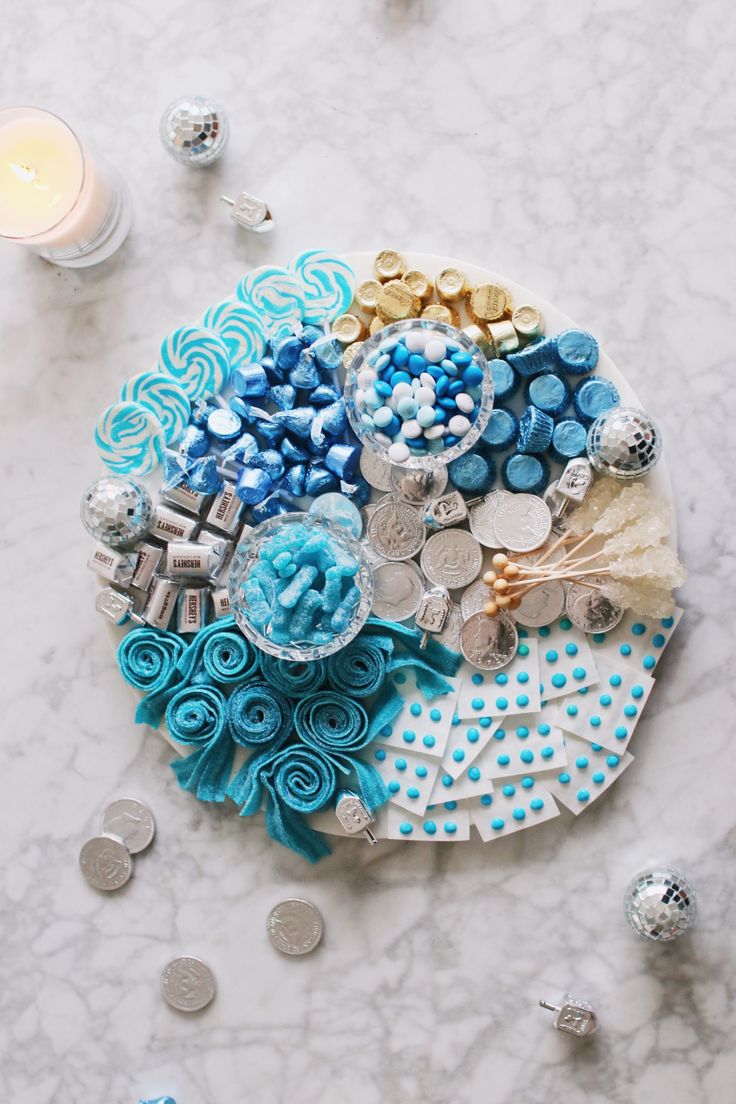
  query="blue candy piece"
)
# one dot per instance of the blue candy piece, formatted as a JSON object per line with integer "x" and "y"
{"x": 269, "y": 461}
{"x": 194, "y": 443}
{"x": 577, "y": 350}
{"x": 535, "y": 431}
{"x": 273, "y": 506}
{"x": 224, "y": 425}
{"x": 201, "y": 410}
{"x": 319, "y": 480}
{"x": 472, "y": 473}
{"x": 502, "y": 429}
{"x": 294, "y": 479}
{"x": 343, "y": 461}
{"x": 522, "y": 473}
{"x": 324, "y": 394}
{"x": 282, "y": 395}
{"x": 400, "y": 356}
{"x": 417, "y": 364}
{"x": 593, "y": 396}
{"x": 268, "y": 366}
{"x": 328, "y": 354}
{"x": 540, "y": 356}
{"x": 286, "y": 353}
{"x": 334, "y": 418}
{"x": 399, "y": 377}
{"x": 362, "y": 492}
{"x": 318, "y": 448}
{"x": 548, "y": 393}
{"x": 253, "y": 485}
{"x": 505, "y": 380}
{"x": 455, "y": 388}
{"x": 204, "y": 476}
{"x": 242, "y": 449}
{"x": 306, "y": 374}
{"x": 271, "y": 432}
{"x": 292, "y": 452}
{"x": 568, "y": 440}
{"x": 298, "y": 422}
{"x": 340, "y": 510}
{"x": 310, "y": 334}
{"x": 249, "y": 381}
{"x": 473, "y": 376}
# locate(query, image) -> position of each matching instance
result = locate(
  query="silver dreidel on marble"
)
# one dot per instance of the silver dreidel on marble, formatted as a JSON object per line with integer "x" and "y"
{"x": 354, "y": 816}
{"x": 574, "y": 1016}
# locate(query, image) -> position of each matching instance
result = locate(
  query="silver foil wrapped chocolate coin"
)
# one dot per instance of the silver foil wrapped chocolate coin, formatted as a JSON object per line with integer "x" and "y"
{"x": 187, "y": 984}
{"x": 194, "y": 130}
{"x": 116, "y": 511}
{"x": 106, "y": 863}
{"x": 660, "y": 904}
{"x": 489, "y": 642}
{"x": 294, "y": 926}
{"x": 131, "y": 821}
{"x": 624, "y": 443}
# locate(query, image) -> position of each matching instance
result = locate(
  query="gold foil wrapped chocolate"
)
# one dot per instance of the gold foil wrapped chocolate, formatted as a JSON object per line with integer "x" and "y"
{"x": 366, "y": 295}
{"x": 440, "y": 312}
{"x": 528, "y": 321}
{"x": 348, "y": 328}
{"x": 451, "y": 285}
{"x": 487, "y": 303}
{"x": 396, "y": 302}
{"x": 376, "y": 325}
{"x": 504, "y": 337}
{"x": 482, "y": 340}
{"x": 349, "y": 354}
{"x": 389, "y": 265}
{"x": 419, "y": 283}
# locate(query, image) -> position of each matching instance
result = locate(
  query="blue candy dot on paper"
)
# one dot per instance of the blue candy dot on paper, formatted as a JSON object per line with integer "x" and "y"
{"x": 497, "y": 824}
{"x": 536, "y": 804}
{"x": 605, "y": 700}
{"x": 456, "y": 718}
{"x": 565, "y": 624}
{"x": 581, "y": 762}
{"x": 630, "y": 710}
{"x": 551, "y": 656}
{"x": 474, "y": 774}
{"x": 486, "y": 799}
{"x": 648, "y": 662}
{"x": 477, "y": 703}
{"x": 527, "y": 756}
{"x": 501, "y": 680}
{"x": 625, "y": 649}
{"x": 564, "y": 778}
{"x": 667, "y": 622}
{"x": 572, "y": 711}
{"x": 415, "y": 709}
{"x": 597, "y": 747}
{"x": 502, "y": 703}
{"x": 485, "y": 722}
{"x": 450, "y": 827}
{"x": 612, "y": 760}
{"x": 595, "y": 721}
{"x": 447, "y": 780}
{"x": 544, "y": 729}
{"x": 638, "y": 629}
{"x": 583, "y": 795}
{"x": 571, "y": 649}
{"x": 401, "y": 764}
{"x": 499, "y": 734}
{"x": 408, "y": 736}
{"x": 578, "y": 673}
{"x": 599, "y": 638}
{"x": 428, "y": 741}
{"x": 503, "y": 760}
{"x": 547, "y": 752}
{"x": 522, "y": 700}
{"x": 599, "y": 777}
{"x": 393, "y": 787}
{"x": 380, "y": 755}
{"x": 451, "y": 806}
{"x": 413, "y": 793}
{"x": 620, "y": 732}
{"x": 401, "y": 679}
{"x": 584, "y": 690}
{"x": 458, "y": 755}
{"x": 435, "y": 715}
{"x": 615, "y": 680}
{"x": 544, "y": 630}
{"x": 509, "y": 790}
{"x": 522, "y": 677}
{"x": 637, "y": 691}
{"x": 658, "y": 640}
{"x": 527, "y": 783}
{"x": 523, "y": 649}
{"x": 429, "y": 827}
{"x": 405, "y": 828}
{"x": 421, "y": 771}
{"x": 523, "y": 633}
{"x": 559, "y": 680}
{"x": 522, "y": 732}
{"x": 519, "y": 814}
{"x": 472, "y": 735}
{"x": 476, "y": 679}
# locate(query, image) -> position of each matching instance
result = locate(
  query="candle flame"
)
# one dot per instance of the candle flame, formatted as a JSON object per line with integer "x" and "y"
{"x": 28, "y": 175}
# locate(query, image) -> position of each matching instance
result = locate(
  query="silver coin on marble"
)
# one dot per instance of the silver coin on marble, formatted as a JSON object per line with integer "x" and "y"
{"x": 106, "y": 863}
{"x": 187, "y": 984}
{"x": 132, "y": 821}
{"x": 451, "y": 558}
{"x": 375, "y": 470}
{"x": 591, "y": 611}
{"x": 522, "y": 522}
{"x": 398, "y": 587}
{"x": 294, "y": 926}
{"x": 541, "y": 606}
{"x": 450, "y": 635}
{"x": 417, "y": 486}
{"x": 482, "y": 516}
{"x": 489, "y": 642}
{"x": 396, "y": 531}
{"x": 475, "y": 599}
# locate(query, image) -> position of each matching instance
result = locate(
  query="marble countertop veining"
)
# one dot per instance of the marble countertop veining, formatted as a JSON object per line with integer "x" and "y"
{"x": 588, "y": 151}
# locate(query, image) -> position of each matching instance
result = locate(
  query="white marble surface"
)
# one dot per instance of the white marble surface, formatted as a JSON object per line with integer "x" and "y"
{"x": 586, "y": 150}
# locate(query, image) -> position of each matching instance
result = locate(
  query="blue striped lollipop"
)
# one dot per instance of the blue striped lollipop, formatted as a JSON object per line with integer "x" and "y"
{"x": 329, "y": 284}
{"x": 197, "y": 359}
{"x": 240, "y": 328}
{"x": 276, "y": 294}
{"x": 164, "y": 397}
{"x": 129, "y": 438}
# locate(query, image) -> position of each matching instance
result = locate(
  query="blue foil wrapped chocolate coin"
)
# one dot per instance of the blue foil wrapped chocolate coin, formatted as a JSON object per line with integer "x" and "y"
{"x": 525, "y": 474}
{"x": 593, "y": 396}
{"x": 473, "y": 473}
{"x": 568, "y": 440}
{"x": 577, "y": 351}
{"x": 502, "y": 429}
{"x": 549, "y": 393}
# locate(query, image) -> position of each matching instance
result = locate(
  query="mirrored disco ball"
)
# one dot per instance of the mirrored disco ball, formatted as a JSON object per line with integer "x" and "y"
{"x": 116, "y": 511}
{"x": 624, "y": 443}
{"x": 660, "y": 904}
{"x": 194, "y": 130}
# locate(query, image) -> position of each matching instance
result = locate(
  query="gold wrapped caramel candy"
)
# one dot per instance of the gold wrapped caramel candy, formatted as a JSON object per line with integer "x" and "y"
{"x": 396, "y": 302}
{"x": 389, "y": 265}
{"x": 366, "y": 295}
{"x": 348, "y": 328}
{"x": 482, "y": 340}
{"x": 487, "y": 303}
{"x": 504, "y": 337}
{"x": 376, "y": 325}
{"x": 349, "y": 354}
{"x": 451, "y": 285}
{"x": 419, "y": 283}
{"x": 528, "y": 321}
{"x": 440, "y": 312}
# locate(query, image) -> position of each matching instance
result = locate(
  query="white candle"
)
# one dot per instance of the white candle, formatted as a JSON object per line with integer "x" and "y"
{"x": 54, "y": 197}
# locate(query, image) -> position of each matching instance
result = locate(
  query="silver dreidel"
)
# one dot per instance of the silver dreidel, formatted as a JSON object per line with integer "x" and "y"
{"x": 431, "y": 617}
{"x": 353, "y": 815}
{"x": 575, "y": 1017}
{"x": 250, "y": 212}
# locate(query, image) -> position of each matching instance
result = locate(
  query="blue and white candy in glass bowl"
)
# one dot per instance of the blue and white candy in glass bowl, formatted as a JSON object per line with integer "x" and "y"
{"x": 419, "y": 394}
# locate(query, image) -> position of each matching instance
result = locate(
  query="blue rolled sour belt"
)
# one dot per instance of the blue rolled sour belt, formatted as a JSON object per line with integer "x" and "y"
{"x": 260, "y": 716}
{"x": 197, "y": 716}
{"x": 147, "y": 657}
{"x": 291, "y": 677}
{"x": 358, "y": 669}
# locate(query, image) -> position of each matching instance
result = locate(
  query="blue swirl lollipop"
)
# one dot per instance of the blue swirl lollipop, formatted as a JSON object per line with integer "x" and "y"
{"x": 164, "y": 397}
{"x": 129, "y": 438}
{"x": 276, "y": 294}
{"x": 329, "y": 284}
{"x": 197, "y": 359}
{"x": 240, "y": 328}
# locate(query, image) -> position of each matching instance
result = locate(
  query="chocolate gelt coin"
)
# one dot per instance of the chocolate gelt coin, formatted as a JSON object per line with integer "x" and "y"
{"x": 187, "y": 984}
{"x": 348, "y": 329}
{"x": 489, "y": 642}
{"x": 475, "y": 599}
{"x": 396, "y": 531}
{"x": 591, "y": 611}
{"x": 397, "y": 590}
{"x": 487, "y": 302}
{"x": 440, "y": 312}
{"x": 451, "y": 558}
{"x": 294, "y": 926}
{"x": 419, "y": 283}
{"x": 528, "y": 321}
{"x": 397, "y": 302}
{"x": 522, "y": 522}
{"x": 451, "y": 285}
{"x": 366, "y": 295}
{"x": 131, "y": 821}
{"x": 106, "y": 863}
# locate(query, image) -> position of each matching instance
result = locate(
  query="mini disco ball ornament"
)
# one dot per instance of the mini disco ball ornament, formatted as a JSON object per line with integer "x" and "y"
{"x": 116, "y": 510}
{"x": 660, "y": 904}
{"x": 624, "y": 442}
{"x": 194, "y": 130}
